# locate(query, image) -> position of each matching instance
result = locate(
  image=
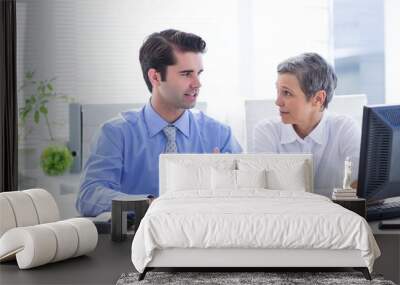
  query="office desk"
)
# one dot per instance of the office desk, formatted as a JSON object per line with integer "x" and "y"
{"x": 389, "y": 243}
{"x": 102, "y": 266}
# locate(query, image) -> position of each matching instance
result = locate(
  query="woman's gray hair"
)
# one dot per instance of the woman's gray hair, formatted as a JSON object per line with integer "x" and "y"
{"x": 313, "y": 73}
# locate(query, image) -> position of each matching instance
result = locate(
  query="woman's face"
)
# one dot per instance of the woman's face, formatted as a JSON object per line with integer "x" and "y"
{"x": 292, "y": 102}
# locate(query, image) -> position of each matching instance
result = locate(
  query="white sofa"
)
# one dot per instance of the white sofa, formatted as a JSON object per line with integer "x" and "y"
{"x": 31, "y": 233}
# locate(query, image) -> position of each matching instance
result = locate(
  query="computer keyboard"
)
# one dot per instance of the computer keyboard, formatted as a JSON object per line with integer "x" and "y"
{"x": 387, "y": 210}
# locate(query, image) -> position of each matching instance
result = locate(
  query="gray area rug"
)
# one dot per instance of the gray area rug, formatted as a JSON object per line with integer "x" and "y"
{"x": 225, "y": 278}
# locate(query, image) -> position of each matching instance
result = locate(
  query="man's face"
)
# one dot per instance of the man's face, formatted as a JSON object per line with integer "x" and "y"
{"x": 291, "y": 100}
{"x": 182, "y": 83}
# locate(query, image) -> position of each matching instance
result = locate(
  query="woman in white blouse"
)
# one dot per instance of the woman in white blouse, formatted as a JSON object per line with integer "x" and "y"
{"x": 305, "y": 86}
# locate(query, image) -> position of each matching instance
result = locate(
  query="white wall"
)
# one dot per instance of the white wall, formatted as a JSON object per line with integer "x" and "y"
{"x": 392, "y": 49}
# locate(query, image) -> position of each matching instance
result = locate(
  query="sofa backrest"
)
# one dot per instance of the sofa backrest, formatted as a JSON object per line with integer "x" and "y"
{"x": 27, "y": 208}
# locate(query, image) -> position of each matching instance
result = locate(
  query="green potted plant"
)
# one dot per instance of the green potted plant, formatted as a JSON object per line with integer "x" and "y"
{"x": 55, "y": 159}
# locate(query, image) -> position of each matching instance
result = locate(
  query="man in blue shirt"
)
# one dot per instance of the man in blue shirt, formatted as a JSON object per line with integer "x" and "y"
{"x": 124, "y": 159}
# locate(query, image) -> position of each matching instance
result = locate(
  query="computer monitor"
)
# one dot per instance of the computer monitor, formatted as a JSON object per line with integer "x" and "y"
{"x": 379, "y": 169}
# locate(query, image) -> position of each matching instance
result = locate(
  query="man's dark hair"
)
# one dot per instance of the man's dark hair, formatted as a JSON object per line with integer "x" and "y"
{"x": 313, "y": 73}
{"x": 157, "y": 51}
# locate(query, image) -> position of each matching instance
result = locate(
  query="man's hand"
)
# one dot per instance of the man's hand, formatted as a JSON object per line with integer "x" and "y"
{"x": 354, "y": 184}
{"x": 216, "y": 150}
{"x": 151, "y": 199}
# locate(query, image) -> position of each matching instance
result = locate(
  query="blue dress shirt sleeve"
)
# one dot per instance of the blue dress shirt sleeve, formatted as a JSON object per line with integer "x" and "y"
{"x": 231, "y": 145}
{"x": 102, "y": 173}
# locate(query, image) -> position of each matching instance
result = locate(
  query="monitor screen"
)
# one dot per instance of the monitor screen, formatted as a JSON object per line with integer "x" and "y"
{"x": 379, "y": 170}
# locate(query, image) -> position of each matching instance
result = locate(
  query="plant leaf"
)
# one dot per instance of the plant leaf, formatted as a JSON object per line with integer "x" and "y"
{"x": 24, "y": 113}
{"x": 40, "y": 88}
{"x": 37, "y": 117}
{"x": 29, "y": 75}
{"x": 43, "y": 110}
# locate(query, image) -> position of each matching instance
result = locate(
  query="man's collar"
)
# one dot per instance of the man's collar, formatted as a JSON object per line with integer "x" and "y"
{"x": 155, "y": 123}
{"x": 289, "y": 135}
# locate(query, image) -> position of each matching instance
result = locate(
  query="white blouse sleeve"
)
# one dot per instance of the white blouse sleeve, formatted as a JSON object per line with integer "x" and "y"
{"x": 350, "y": 144}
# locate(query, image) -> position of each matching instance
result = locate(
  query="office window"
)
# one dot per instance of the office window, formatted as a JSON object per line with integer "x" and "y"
{"x": 359, "y": 48}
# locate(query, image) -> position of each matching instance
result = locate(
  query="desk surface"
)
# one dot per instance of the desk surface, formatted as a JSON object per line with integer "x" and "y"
{"x": 102, "y": 266}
